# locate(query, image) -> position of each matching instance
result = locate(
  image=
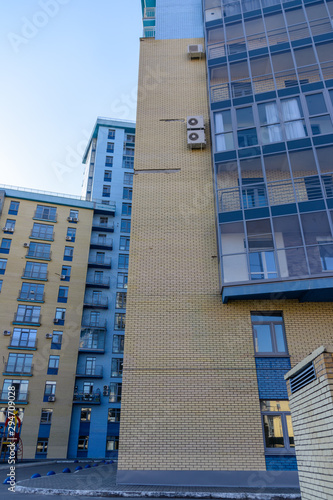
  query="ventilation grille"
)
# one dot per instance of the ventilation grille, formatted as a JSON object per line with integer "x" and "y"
{"x": 303, "y": 378}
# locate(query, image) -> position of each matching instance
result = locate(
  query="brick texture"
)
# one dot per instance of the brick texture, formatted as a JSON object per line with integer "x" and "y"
{"x": 312, "y": 414}
{"x": 190, "y": 394}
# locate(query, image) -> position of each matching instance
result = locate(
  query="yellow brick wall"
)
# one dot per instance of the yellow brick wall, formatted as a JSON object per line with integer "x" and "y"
{"x": 12, "y": 283}
{"x": 190, "y": 398}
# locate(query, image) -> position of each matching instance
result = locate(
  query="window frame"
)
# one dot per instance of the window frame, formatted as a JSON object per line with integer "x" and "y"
{"x": 47, "y": 419}
{"x": 287, "y": 449}
{"x": 274, "y": 353}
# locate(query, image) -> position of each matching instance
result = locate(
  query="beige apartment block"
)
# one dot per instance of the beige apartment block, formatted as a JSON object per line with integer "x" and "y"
{"x": 310, "y": 388}
{"x": 26, "y": 330}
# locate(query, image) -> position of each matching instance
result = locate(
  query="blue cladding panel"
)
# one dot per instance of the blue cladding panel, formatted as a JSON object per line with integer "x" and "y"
{"x": 44, "y": 430}
{"x": 178, "y": 19}
{"x": 270, "y": 374}
{"x": 287, "y": 462}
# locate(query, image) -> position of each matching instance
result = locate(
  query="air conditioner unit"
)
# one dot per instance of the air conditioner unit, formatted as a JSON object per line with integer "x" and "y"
{"x": 63, "y": 277}
{"x": 195, "y": 51}
{"x": 7, "y": 333}
{"x": 68, "y": 238}
{"x": 70, "y": 219}
{"x": 195, "y": 123}
{"x": 48, "y": 335}
{"x": 9, "y": 229}
{"x": 75, "y": 219}
{"x": 51, "y": 399}
{"x": 56, "y": 320}
{"x": 26, "y": 245}
{"x": 196, "y": 139}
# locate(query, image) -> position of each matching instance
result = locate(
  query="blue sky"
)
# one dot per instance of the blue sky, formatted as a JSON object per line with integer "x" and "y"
{"x": 64, "y": 62}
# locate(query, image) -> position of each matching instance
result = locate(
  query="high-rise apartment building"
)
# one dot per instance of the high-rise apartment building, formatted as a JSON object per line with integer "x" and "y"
{"x": 109, "y": 158}
{"x": 44, "y": 247}
{"x": 231, "y": 266}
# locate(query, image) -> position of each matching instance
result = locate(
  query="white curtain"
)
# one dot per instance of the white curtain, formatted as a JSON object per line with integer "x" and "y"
{"x": 291, "y": 111}
{"x": 272, "y": 116}
{"x": 274, "y": 133}
{"x": 271, "y": 113}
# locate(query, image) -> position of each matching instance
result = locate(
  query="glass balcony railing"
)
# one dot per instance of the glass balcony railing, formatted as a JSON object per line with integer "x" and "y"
{"x": 300, "y": 189}
{"x": 18, "y": 369}
{"x": 92, "y": 371}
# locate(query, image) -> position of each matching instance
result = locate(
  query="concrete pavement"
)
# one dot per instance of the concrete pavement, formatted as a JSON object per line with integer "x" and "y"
{"x": 100, "y": 481}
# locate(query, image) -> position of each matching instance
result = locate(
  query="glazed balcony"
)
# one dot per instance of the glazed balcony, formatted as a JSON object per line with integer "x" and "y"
{"x": 18, "y": 370}
{"x": 20, "y": 397}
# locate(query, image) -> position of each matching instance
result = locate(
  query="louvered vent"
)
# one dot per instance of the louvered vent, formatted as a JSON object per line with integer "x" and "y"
{"x": 303, "y": 378}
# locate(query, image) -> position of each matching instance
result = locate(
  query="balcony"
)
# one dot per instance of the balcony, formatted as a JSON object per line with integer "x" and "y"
{"x": 38, "y": 255}
{"x": 100, "y": 263}
{"x": 27, "y": 345}
{"x": 89, "y": 372}
{"x": 98, "y": 283}
{"x": 223, "y": 90}
{"x": 45, "y": 216}
{"x": 303, "y": 273}
{"x": 93, "y": 398}
{"x": 94, "y": 325}
{"x": 21, "y": 397}
{"x": 18, "y": 371}
{"x": 101, "y": 208}
{"x": 102, "y": 303}
{"x": 275, "y": 37}
{"x": 31, "y": 297}
{"x": 282, "y": 195}
{"x": 34, "y": 275}
{"x": 42, "y": 235}
{"x": 107, "y": 228}
{"x": 92, "y": 343}
{"x": 27, "y": 320}
{"x": 101, "y": 243}
{"x": 149, "y": 13}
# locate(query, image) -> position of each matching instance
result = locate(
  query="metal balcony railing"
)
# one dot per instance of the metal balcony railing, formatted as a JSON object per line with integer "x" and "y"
{"x": 109, "y": 226}
{"x": 99, "y": 325}
{"x": 101, "y": 282}
{"x": 85, "y": 371}
{"x": 100, "y": 262}
{"x": 82, "y": 397}
{"x": 91, "y": 302}
{"x": 102, "y": 242}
